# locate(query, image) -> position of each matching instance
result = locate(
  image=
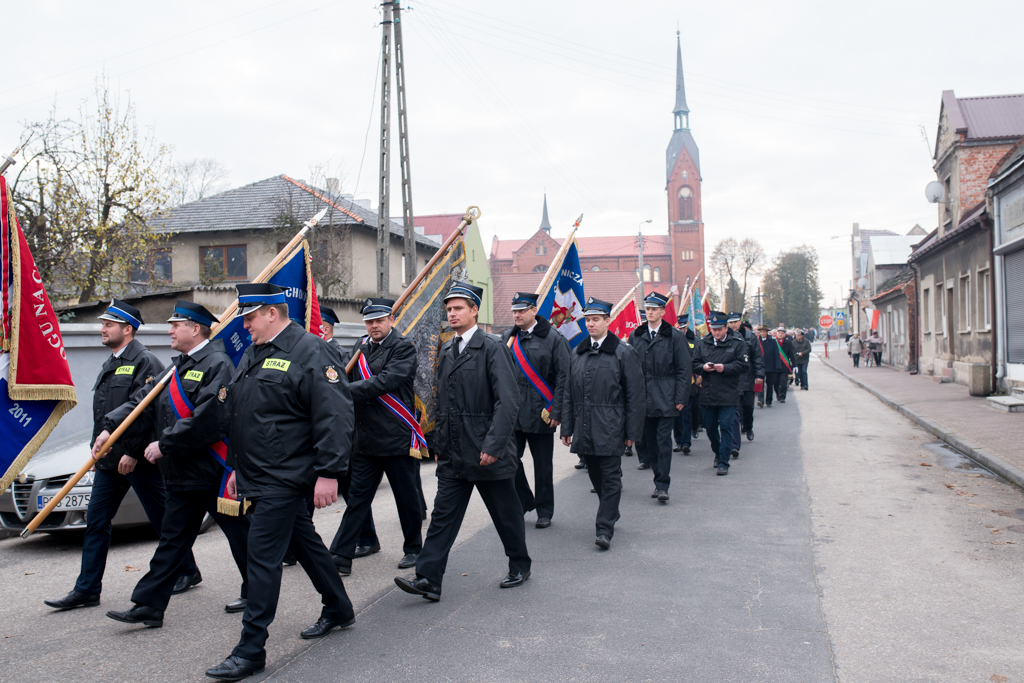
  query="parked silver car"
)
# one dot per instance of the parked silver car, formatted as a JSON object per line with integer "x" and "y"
{"x": 45, "y": 475}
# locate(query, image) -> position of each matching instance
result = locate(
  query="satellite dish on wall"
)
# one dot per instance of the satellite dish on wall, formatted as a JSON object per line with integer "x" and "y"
{"x": 862, "y": 283}
{"x": 935, "y": 192}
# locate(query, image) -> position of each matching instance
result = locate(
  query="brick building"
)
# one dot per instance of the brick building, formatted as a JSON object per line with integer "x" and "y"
{"x": 670, "y": 258}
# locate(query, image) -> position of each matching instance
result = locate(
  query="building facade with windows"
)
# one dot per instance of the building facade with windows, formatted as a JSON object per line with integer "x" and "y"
{"x": 1006, "y": 192}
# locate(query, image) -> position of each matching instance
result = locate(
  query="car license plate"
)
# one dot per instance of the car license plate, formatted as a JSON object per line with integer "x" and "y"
{"x": 72, "y": 501}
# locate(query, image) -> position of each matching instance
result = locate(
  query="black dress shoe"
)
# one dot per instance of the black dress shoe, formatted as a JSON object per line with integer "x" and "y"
{"x": 408, "y": 560}
{"x": 603, "y": 542}
{"x": 722, "y": 470}
{"x": 185, "y": 582}
{"x": 654, "y": 493}
{"x": 73, "y": 600}
{"x": 629, "y": 452}
{"x": 366, "y": 550}
{"x": 580, "y": 465}
{"x": 235, "y": 606}
{"x": 643, "y": 466}
{"x": 662, "y": 496}
{"x": 325, "y": 625}
{"x": 343, "y": 565}
{"x": 514, "y": 579}
{"x": 782, "y": 400}
{"x": 417, "y": 585}
{"x": 735, "y": 453}
{"x": 677, "y": 448}
{"x": 695, "y": 434}
{"x": 543, "y": 522}
{"x": 289, "y": 560}
{"x": 140, "y": 614}
{"x": 235, "y": 669}
{"x": 686, "y": 450}
{"x": 750, "y": 435}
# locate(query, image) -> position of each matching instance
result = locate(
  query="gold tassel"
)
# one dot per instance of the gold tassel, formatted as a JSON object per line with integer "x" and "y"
{"x": 229, "y": 507}
{"x": 415, "y": 453}
{"x": 546, "y": 416}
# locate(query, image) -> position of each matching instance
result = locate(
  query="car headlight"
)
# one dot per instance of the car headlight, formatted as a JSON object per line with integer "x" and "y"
{"x": 87, "y": 479}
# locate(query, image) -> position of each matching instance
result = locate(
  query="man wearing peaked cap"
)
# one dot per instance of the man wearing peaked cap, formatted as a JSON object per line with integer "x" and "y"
{"x": 386, "y": 444}
{"x": 126, "y": 371}
{"x": 328, "y": 319}
{"x": 745, "y": 411}
{"x": 720, "y": 358}
{"x": 688, "y": 421}
{"x": 477, "y": 404}
{"x": 604, "y": 411}
{"x": 290, "y": 435}
{"x": 541, "y": 357}
{"x": 665, "y": 359}
{"x": 191, "y": 421}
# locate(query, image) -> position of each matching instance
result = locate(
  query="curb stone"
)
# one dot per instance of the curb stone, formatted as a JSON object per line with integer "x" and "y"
{"x": 979, "y": 454}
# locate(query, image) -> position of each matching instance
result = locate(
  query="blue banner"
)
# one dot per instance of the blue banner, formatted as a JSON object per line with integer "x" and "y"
{"x": 697, "y": 311}
{"x": 562, "y": 302}
{"x": 293, "y": 275}
{"x": 20, "y": 422}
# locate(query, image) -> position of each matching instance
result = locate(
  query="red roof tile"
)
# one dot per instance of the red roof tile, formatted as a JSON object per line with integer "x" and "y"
{"x": 592, "y": 247}
{"x": 443, "y": 224}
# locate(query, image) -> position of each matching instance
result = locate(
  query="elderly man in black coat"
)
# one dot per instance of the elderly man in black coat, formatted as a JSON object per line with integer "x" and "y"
{"x": 541, "y": 355}
{"x": 665, "y": 358}
{"x": 604, "y": 410}
{"x": 477, "y": 404}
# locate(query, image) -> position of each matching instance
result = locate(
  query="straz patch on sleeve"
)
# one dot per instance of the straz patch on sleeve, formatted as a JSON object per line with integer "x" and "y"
{"x": 331, "y": 373}
{"x": 125, "y": 370}
{"x": 194, "y": 375}
{"x": 277, "y": 364}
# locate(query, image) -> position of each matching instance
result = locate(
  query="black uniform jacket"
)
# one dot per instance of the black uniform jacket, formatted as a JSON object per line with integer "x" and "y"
{"x": 477, "y": 404}
{"x": 291, "y": 415}
{"x": 755, "y": 368}
{"x": 721, "y": 388}
{"x": 393, "y": 364}
{"x": 119, "y": 379}
{"x": 548, "y": 353}
{"x": 666, "y": 364}
{"x": 604, "y": 400}
{"x": 186, "y": 461}
{"x": 772, "y": 361}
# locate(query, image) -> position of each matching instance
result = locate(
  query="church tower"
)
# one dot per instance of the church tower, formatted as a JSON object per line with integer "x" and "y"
{"x": 683, "y": 185}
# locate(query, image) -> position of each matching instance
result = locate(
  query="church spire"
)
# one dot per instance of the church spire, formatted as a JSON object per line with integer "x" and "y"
{"x": 681, "y": 111}
{"x": 545, "y": 224}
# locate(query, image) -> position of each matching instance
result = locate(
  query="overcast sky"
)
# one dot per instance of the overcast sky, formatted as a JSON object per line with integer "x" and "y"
{"x": 808, "y": 115}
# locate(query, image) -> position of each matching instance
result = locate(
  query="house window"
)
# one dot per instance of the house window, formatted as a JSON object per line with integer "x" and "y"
{"x": 686, "y": 254}
{"x": 984, "y": 300}
{"x": 156, "y": 268}
{"x": 224, "y": 263}
{"x": 964, "y": 304}
{"x": 540, "y": 269}
{"x": 926, "y": 311}
{"x": 686, "y": 203}
{"x": 657, "y": 274}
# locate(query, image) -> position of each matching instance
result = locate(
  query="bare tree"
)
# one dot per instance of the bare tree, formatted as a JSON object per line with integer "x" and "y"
{"x": 750, "y": 259}
{"x": 196, "y": 179}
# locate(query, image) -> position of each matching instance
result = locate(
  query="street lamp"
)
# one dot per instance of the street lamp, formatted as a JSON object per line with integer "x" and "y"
{"x": 640, "y": 250}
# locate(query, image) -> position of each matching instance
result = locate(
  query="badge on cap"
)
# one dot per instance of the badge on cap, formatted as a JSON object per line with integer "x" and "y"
{"x": 369, "y": 302}
{"x": 590, "y": 300}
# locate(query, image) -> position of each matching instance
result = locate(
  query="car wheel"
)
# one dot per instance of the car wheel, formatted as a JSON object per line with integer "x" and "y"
{"x": 208, "y": 521}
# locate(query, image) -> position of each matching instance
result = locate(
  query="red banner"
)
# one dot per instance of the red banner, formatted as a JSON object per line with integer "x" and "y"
{"x": 670, "y": 311}
{"x": 626, "y": 321}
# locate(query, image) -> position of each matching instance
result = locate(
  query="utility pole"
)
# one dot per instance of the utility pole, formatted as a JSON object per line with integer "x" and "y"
{"x": 384, "y": 220}
{"x": 640, "y": 250}
{"x": 403, "y": 150}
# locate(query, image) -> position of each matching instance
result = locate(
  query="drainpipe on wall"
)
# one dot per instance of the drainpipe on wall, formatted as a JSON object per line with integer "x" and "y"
{"x": 915, "y": 344}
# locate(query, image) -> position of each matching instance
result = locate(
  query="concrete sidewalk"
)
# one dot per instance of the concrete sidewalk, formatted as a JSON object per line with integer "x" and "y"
{"x": 967, "y": 423}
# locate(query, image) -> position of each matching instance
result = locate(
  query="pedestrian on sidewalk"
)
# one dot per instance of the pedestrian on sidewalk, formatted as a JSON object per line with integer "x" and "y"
{"x": 801, "y": 356}
{"x": 720, "y": 358}
{"x": 875, "y": 347}
{"x": 855, "y": 347}
{"x": 604, "y": 409}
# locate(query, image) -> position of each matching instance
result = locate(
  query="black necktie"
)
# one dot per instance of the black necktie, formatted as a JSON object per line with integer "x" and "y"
{"x": 595, "y": 347}
{"x": 458, "y": 343}
{"x": 373, "y": 346}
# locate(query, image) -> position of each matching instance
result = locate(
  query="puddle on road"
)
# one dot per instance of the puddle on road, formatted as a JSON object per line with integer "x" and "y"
{"x": 952, "y": 459}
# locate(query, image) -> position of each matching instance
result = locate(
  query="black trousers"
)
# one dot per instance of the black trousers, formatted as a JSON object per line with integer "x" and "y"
{"x": 744, "y": 417}
{"x": 655, "y": 449}
{"x": 183, "y": 517}
{"x": 276, "y": 521}
{"x": 449, "y": 510}
{"x": 108, "y": 490}
{"x": 777, "y": 382}
{"x": 542, "y": 448}
{"x": 403, "y": 474}
{"x": 606, "y": 477}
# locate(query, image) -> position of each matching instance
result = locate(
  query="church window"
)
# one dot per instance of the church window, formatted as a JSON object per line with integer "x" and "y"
{"x": 541, "y": 249}
{"x": 647, "y": 273}
{"x": 686, "y": 203}
{"x": 540, "y": 269}
{"x": 657, "y": 274}
{"x": 596, "y": 268}
{"x": 687, "y": 254}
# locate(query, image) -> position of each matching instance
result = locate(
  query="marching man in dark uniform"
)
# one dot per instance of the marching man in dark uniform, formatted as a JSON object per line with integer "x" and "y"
{"x": 604, "y": 410}
{"x": 720, "y": 357}
{"x": 689, "y": 417}
{"x": 388, "y": 436}
{"x": 744, "y": 423}
{"x": 542, "y": 356}
{"x": 125, "y": 372}
{"x": 477, "y": 404}
{"x": 291, "y": 433}
{"x": 192, "y": 419}
{"x": 665, "y": 359}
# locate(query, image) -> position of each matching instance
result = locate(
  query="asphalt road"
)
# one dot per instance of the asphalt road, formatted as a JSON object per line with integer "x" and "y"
{"x": 829, "y": 553}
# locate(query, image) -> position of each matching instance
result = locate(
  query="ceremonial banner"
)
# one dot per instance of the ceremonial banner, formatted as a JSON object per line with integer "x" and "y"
{"x": 562, "y": 302}
{"x": 670, "y": 308}
{"x": 295, "y": 275}
{"x": 628, "y": 319}
{"x": 698, "y": 319}
{"x": 422, "y": 320}
{"x": 35, "y": 381}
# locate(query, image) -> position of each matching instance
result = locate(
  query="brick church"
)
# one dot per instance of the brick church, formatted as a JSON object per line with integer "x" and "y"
{"x": 611, "y": 264}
